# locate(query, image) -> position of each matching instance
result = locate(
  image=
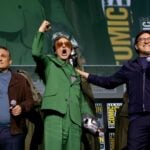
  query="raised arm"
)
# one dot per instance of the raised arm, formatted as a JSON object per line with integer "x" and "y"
{"x": 38, "y": 41}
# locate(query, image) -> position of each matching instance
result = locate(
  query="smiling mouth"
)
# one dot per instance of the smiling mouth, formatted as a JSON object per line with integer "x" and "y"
{"x": 147, "y": 45}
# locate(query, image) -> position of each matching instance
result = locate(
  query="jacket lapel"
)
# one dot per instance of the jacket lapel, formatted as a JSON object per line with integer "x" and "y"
{"x": 67, "y": 69}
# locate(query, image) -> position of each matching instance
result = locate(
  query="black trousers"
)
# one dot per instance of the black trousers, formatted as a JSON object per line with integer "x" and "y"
{"x": 139, "y": 132}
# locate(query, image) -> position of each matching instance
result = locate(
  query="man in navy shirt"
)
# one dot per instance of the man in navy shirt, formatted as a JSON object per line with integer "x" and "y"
{"x": 15, "y": 103}
{"x": 136, "y": 75}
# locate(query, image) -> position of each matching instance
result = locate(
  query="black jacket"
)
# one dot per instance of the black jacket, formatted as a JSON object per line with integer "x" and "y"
{"x": 137, "y": 80}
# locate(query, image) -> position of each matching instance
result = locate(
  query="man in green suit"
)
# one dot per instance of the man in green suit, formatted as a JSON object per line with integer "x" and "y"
{"x": 63, "y": 101}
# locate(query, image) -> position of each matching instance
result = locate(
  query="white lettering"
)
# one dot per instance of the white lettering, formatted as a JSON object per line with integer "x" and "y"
{"x": 118, "y": 2}
{"x": 146, "y": 25}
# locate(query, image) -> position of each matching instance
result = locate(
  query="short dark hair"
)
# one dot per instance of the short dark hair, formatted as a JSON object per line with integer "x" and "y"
{"x": 139, "y": 34}
{"x": 5, "y": 48}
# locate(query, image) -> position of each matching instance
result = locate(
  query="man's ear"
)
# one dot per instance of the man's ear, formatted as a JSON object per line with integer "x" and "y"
{"x": 136, "y": 47}
{"x": 10, "y": 62}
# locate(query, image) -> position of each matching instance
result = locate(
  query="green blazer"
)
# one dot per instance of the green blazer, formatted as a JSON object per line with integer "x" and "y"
{"x": 62, "y": 89}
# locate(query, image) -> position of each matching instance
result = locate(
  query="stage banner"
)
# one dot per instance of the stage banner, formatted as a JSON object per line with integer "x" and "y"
{"x": 104, "y": 29}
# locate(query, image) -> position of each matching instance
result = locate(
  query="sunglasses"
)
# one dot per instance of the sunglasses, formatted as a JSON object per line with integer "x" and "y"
{"x": 66, "y": 44}
{"x": 142, "y": 40}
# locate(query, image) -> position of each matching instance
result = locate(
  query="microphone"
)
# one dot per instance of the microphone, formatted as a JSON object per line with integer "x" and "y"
{"x": 90, "y": 123}
{"x": 73, "y": 58}
{"x": 13, "y": 103}
{"x": 148, "y": 59}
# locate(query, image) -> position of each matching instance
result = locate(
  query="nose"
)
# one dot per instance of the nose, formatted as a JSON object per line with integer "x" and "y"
{"x": 63, "y": 44}
{"x": 0, "y": 58}
{"x": 147, "y": 40}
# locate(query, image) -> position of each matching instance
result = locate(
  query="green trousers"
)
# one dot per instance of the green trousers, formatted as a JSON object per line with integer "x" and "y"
{"x": 60, "y": 133}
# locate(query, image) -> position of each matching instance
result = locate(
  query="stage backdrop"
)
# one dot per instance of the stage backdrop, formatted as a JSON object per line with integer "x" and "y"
{"x": 105, "y": 29}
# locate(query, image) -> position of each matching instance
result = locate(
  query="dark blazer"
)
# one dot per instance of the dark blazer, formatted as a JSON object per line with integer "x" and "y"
{"x": 137, "y": 80}
{"x": 19, "y": 90}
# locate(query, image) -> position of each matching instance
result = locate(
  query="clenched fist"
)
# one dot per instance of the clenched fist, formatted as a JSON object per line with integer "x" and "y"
{"x": 45, "y": 26}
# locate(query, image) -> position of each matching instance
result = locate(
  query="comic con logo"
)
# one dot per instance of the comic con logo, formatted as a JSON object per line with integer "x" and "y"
{"x": 118, "y": 18}
{"x": 145, "y": 23}
{"x": 116, "y": 3}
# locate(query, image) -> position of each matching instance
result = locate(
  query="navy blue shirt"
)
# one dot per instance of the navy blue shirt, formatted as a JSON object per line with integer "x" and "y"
{"x": 144, "y": 62}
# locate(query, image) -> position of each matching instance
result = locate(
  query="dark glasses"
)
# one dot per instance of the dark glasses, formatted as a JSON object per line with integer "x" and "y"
{"x": 142, "y": 40}
{"x": 60, "y": 44}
